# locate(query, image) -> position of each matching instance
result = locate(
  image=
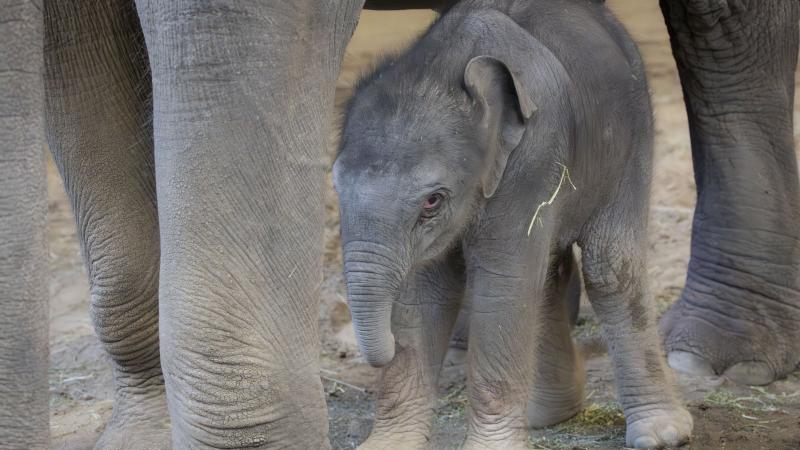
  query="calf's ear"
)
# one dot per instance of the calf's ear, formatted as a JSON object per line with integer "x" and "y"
{"x": 503, "y": 106}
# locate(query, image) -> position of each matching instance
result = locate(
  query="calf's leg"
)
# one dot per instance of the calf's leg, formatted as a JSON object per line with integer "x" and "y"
{"x": 422, "y": 320}
{"x": 560, "y": 375}
{"x": 615, "y": 273}
{"x": 505, "y": 282}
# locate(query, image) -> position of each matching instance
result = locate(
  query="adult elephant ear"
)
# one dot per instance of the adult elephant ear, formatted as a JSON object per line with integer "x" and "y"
{"x": 503, "y": 106}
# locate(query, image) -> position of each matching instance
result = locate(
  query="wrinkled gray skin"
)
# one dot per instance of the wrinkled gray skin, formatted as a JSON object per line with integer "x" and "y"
{"x": 228, "y": 103}
{"x": 446, "y": 153}
{"x": 205, "y": 297}
{"x": 24, "y": 402}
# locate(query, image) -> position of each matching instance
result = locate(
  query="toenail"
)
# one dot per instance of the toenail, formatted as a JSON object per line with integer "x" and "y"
{"x": 750, "y": 373}
{"x": 689, "y": 363}
{"x": 645, "y": 442}
{"x": 670, "y": 435}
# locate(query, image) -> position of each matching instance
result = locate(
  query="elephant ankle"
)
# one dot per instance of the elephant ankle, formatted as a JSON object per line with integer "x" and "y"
{"x": 140, "y": 401}
{"x": 140, "y": 383}
{"x": 558, "y": 394}
{"x": 496, "y": 428}
{"x": 548, "y": 408}
{"x": 412, "y": 423}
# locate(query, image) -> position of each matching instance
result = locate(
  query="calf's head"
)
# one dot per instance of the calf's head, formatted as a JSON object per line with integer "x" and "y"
{"x": 419, "y": 155}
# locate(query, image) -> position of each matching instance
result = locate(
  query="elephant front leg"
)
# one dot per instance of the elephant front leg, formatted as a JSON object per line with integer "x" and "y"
{"x": 506, "y": 290}
{"x": 422, "y": 321}
{"x": 242, "y": 95}
{"x": 739, "y": 312}
{"x": 614, "y": 268}
{"x": 98, "y": 117}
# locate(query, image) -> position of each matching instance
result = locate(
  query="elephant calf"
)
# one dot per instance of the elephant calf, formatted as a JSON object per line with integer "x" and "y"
{"x": 455, "y": 179}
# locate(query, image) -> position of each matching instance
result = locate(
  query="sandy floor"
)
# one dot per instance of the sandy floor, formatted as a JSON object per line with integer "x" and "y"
{"x": 726, "y": 416}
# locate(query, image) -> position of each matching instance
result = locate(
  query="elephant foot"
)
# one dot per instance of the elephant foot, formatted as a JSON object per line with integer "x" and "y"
{"x": 659, "y": 428}
{"x": 496, "y": 428}
{"x": 544, "y": 412}
{"x": 398, "y": 441}
{"x": 476, "y": 444}
{"x": 140, "y": 421}
{"x": 556, "y": 400}
{"x": 752, "y": 340}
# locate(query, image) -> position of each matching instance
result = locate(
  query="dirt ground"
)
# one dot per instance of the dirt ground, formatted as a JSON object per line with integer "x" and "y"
{"x": 726, "y": 416}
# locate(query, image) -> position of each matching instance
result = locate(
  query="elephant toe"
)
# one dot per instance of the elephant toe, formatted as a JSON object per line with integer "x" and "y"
{"x": 689, "y": 363}
{"x": 751, "y": 373}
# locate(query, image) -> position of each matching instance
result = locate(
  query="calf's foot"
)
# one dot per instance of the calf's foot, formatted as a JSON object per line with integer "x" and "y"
{"x": 668, "y": 426}
{"x": 558, "y": 400}
{"x": 397, "y": 440}
{"x": 474, "y": 443}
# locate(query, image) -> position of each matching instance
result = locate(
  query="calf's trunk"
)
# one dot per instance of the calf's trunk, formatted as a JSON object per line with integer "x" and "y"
{"x": 374, "y": 276}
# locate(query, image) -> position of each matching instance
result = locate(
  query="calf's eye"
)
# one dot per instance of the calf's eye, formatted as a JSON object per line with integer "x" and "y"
{"x": 431, "y": 205}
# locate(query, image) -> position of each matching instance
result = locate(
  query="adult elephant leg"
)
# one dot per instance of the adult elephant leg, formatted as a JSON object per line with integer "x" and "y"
{"x": 739, "y": 313}
{"x": 97, "y": 94}
{"x": 242, "y": 97}
{"x": 23, "y": 249}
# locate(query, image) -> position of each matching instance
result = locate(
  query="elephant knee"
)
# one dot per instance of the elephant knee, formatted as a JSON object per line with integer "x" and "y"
{"x": 261, "y": 406}
{"x": 124, "y": 303}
